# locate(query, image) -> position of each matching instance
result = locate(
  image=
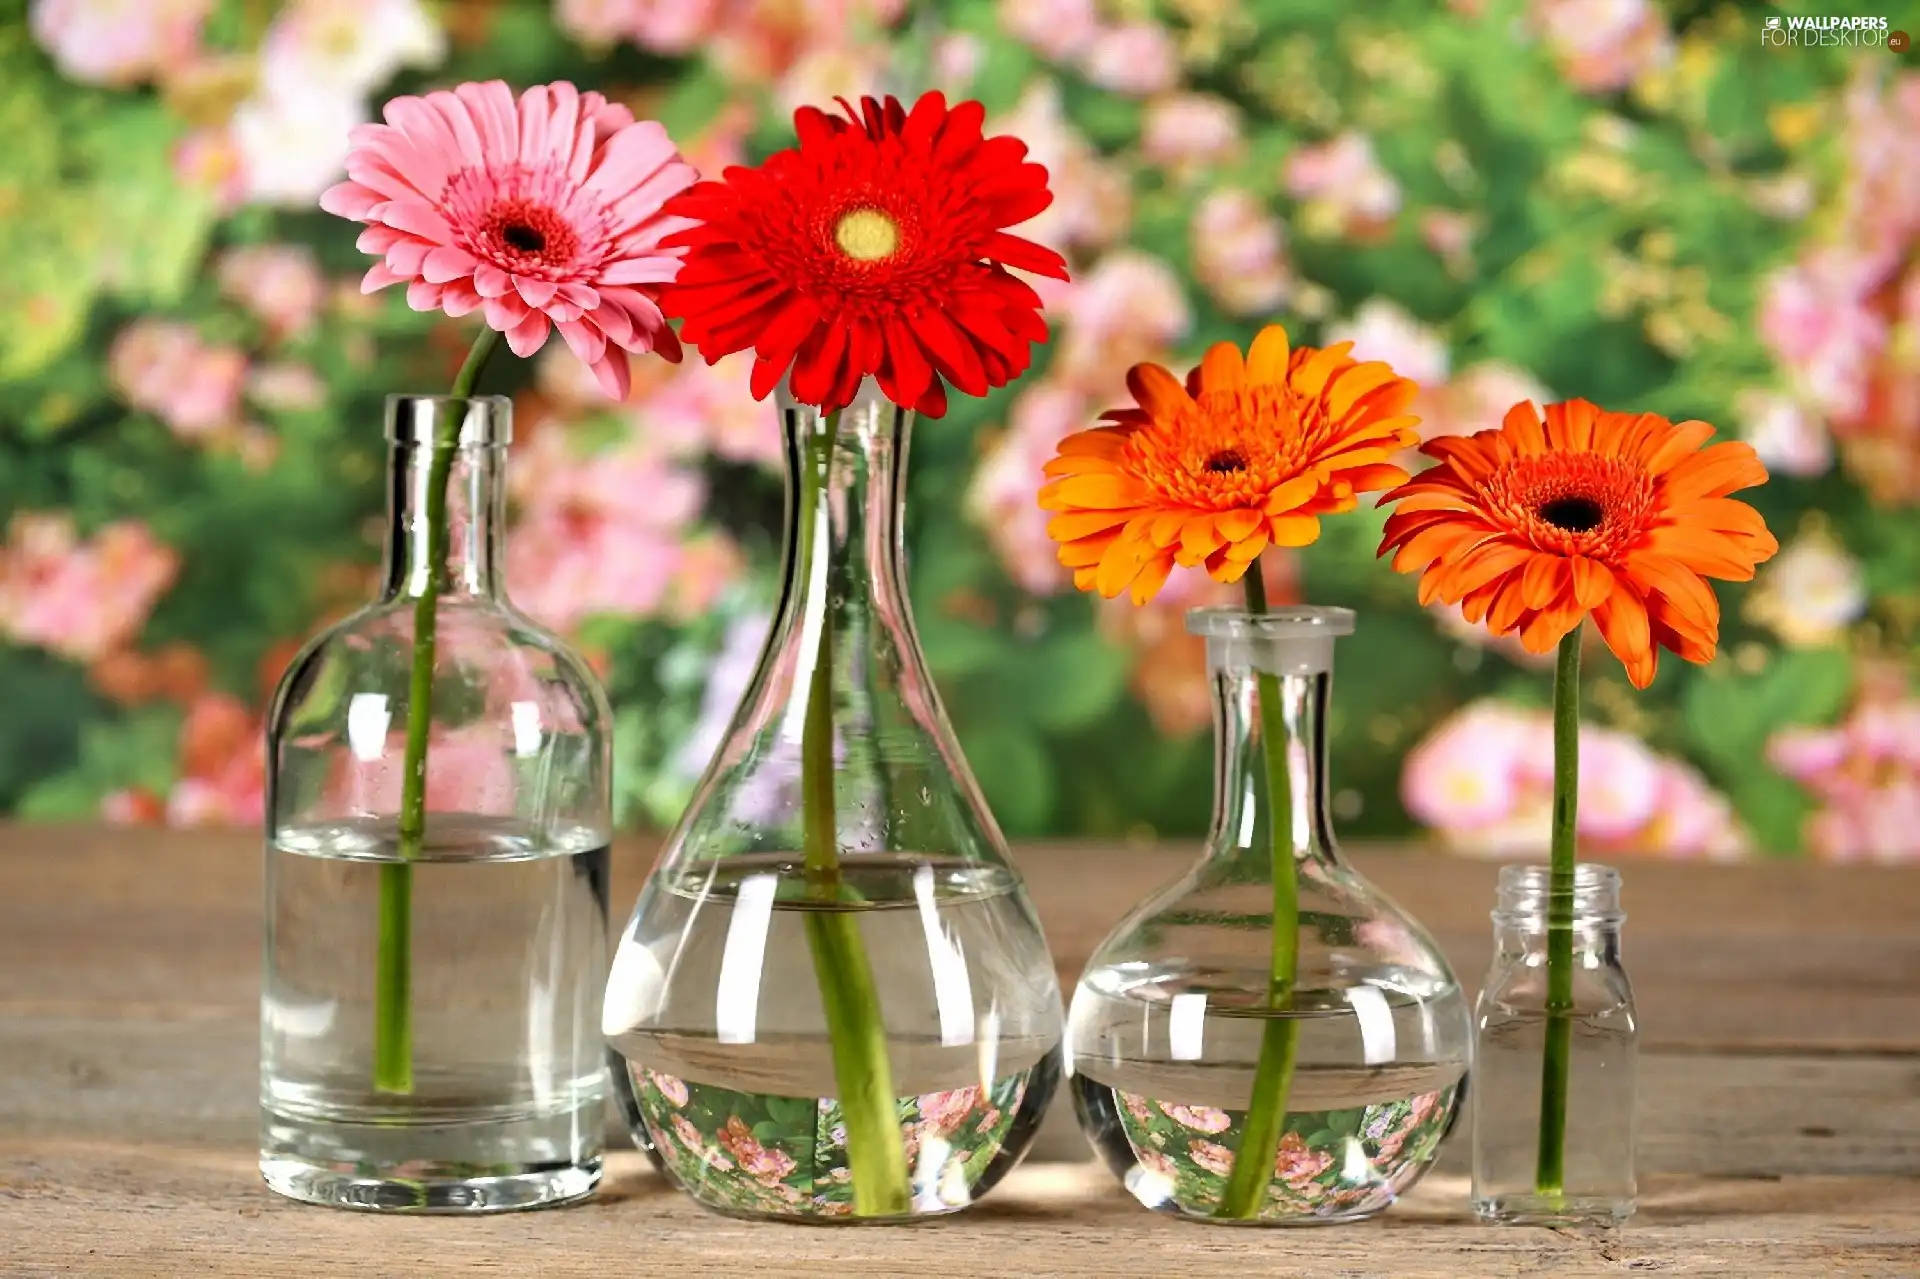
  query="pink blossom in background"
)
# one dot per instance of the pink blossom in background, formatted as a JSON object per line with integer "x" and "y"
{"x": 1382, "y": 330}
{"x": 1810, "y": 593}
{"x": 1092, "y": 200}
{"x": 222, "y": 768}
{"x": 1449, "y": 234}
{"x": 118, "y": 42}
{"x": 1128, "y": 307}
{"x": 1483, "y": 782}
{"x": 1790, "y": 438}
{"x": 1187, "y": 132}
{"x": 1477, "y": 398}
{"x": 293, "y": 142}
{"x": 209, "y": 160}
{"x": 674, "y": 1090}
{"x": 1212, "y": 1156}
{"x": 710, "y": 563}
{"x": 1198, "y": 1118}
{"x": 756, "y": 1160}
{"x": 1464, "y": 776}
{"x": 829, "y": 72}
{"x": 1343, "y": 185}
{"x": 347, "y": 46}
{"x": 1865, "y": 774}
{"x": 1239, "y": 252}
{"x": 1604, "y": 45}
{"x": 709, "y": 408}
{"x": 1001, "y": 497}
{"x": 582, "y": 544}
{"x": 286, "y": 385}
{"x": 1880, "y": 206}
{"x": 167, "y": 370}
{"x": 1135, "y": 58}
{"x": 957, "y": 59}
{"x": 133, "y": 806}
{"x": 1297, "y": 1165}
{"x": 469, "y": 769}
{"x": 945, "y": 1112}
{"x": 1058, "y": 30}
{"x": 79, "y": 599}
{"x": 1815, "y": 317}
{"x": 280, "y": 284}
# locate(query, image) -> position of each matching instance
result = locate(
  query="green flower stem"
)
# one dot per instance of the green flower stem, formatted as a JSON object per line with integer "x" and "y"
{"x": 393, "y": 966}
{"x": 856, "y": 1034}
{"x": 1549, "y": 1177}
{"x": 1266, "y": 1120}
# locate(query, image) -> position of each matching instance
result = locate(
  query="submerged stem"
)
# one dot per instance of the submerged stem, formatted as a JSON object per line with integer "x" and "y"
{"x": 393, "y": 964}
{"x": 856, "y": 1033}
{"x": 1266, "y": 1118}
{"x": 1549, "y": 1176}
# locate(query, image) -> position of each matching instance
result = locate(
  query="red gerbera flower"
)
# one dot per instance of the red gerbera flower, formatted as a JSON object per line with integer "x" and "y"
{"x": 874, "y": 247}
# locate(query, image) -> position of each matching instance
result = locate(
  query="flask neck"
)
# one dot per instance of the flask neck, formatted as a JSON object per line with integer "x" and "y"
{"x": 1288, "y": 657}
{"x": 456, "y": 448}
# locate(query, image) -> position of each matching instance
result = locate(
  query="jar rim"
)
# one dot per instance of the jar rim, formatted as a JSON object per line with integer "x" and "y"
{"x": 1526, "y": 890}
{"x": 1290, "y": 621}
{"x": 486, "y": 421}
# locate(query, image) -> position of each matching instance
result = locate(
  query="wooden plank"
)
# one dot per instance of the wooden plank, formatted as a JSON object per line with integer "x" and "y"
{"x": 195, "y": 1079}
{"x": 1769, "y": 955}
{"x": 124, "y": 1209}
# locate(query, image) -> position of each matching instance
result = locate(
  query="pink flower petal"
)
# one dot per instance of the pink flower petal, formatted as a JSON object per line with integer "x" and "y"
{"x": 460, "y": 299}
{"x": 616, "y": 379}
{"x": 536, "y": 292}
{"x": 378, "y": 277}
{"x": 528, "y": 336}
{"x": 491, "y": 281}
{"x": 448, "y": 263}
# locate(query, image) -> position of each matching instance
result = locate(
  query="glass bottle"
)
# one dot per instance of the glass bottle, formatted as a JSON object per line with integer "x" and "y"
{"x": 428, "y": 1034}
{"x": 1170, "y": 1022}
{"x": 1510, "y": 1035}
{"x": 839, "y": 810}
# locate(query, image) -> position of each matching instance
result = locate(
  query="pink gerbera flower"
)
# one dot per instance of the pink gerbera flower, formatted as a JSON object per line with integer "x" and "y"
{"x": 542, "y": 213}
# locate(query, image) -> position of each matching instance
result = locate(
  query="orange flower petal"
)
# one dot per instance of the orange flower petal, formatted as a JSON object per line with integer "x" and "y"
{"x": 1294, "y": 530}
{"x": 1222, "y": 369}
{"x": 1543, "y": 580}
{"x": 1158, "y": 391}
{"x": 1267, "y": 357}
{"x": 1624, "y": 626}
{"x": 1072, "y": 525}
{"x": 1310, "y": 375}
{"x": 1592, "y": 581}
{"x": 1522, "y": 425}
{"x": 1723, "y": 468}
{"x": 1152, "y": 576}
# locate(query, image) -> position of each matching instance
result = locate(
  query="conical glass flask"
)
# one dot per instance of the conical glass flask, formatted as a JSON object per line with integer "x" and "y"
{"x": 833, "y": 997}
{"x": 1179, "y": 1019}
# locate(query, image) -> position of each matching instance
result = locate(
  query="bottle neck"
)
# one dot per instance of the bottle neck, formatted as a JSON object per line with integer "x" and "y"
{"x": 463, "y": 552}
{"x": 1244, "y": 810}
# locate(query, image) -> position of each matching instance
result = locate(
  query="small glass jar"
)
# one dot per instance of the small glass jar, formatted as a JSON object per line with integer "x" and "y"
{"x": 432, "y": 979}
{"x": 1513, "y": 1167}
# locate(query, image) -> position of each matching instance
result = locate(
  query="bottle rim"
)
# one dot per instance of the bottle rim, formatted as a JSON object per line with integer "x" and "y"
{"x": 486, "y": 421}
{"x": 1292, "y": 621}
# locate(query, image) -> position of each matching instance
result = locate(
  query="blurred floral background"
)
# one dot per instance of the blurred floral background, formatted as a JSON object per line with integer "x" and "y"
{"x": 1619, "y": 199}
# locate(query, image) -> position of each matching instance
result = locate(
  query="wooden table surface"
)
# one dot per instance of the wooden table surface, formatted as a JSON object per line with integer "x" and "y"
{"x": 1780, "y": 1107}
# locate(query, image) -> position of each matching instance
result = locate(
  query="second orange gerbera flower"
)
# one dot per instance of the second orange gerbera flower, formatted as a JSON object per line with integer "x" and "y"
{"x": 1248, "y": 453}
{"x": 1533, "y": 526}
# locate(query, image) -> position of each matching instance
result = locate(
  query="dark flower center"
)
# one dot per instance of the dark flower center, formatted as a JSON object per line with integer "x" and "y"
{"x": 1226, "y": 462}
{"x": 1574, "y": 514}
{"x": 523, "y": 237}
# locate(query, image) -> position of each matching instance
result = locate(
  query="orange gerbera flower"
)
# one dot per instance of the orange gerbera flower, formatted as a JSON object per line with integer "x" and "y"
{"x": 1533, "y": 526}
{"x": 1248, "y": 453}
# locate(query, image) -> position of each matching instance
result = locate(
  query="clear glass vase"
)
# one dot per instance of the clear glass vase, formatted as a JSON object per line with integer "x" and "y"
{"x": 1216, "y": 1085}
{"x": 1581, "y": 1174}
{"x": 833, "y": 996}
{"x": 434, "y": 969}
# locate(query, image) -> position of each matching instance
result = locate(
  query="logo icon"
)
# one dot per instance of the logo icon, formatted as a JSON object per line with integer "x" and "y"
{"x": 1773, "y": 24}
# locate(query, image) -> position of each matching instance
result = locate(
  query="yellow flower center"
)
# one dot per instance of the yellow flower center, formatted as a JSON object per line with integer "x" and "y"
{"x": 867, "y": 235}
